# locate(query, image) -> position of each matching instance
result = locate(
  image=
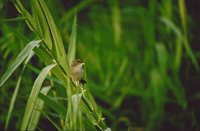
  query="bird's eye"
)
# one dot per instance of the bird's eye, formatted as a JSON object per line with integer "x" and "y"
{"x": 78, "y": 61}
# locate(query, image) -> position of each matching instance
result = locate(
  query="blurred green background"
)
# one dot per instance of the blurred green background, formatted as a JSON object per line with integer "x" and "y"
{"x": 142, "y": 60}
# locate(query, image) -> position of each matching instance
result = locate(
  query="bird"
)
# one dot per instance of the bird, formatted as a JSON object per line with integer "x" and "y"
{"x": 77, "y": 72}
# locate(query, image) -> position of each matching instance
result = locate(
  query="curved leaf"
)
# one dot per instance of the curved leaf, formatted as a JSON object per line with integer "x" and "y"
{"x": 20, "y": 58}
{"x": 72, "y": 44}
{"x": 34, "y": 95}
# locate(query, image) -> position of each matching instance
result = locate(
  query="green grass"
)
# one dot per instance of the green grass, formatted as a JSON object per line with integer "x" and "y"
{"x": 134, "y": 54}
{"x": 51, "y": 52}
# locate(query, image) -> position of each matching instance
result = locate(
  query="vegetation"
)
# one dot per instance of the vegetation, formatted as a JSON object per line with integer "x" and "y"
{"x": 138, "y": 60}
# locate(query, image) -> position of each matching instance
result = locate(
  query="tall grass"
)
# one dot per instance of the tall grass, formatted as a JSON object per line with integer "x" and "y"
{"x": 81, "y": 107}
{"x": 143, "y": 67}
{"x": 134, "y": 54}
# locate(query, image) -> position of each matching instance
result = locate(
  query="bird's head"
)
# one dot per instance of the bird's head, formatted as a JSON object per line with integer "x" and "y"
{"x": 77, "y": 63}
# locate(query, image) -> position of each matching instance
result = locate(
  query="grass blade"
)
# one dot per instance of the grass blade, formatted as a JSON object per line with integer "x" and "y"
{"x": 116, "y": 20}
{"x": 162, "y": 57}
{"x": 183, "y": 12}
{"x": 13, "y": 19}
{"x": 36, "y": 112}
{"x": 60, "y": 51}
{"x": 41, "y": 23}
{"x": 53, "y": 123}
{"x": 172, "y": 26}
{"x": 25, "y": 13}
{"x": 14, "y": 96}
{"x": 179, "y": 40}
{"x": 72, "y": 45}
{"x": 34, "y": 95}
{"x": 53, "y": 105}
{"x": 46, "y": 57}
{"x": 20, "y": 58}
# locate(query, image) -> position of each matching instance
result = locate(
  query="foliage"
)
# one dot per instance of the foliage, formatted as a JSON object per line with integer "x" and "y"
{"x": 134, "y": 53}
{"x": 52, "y": 53}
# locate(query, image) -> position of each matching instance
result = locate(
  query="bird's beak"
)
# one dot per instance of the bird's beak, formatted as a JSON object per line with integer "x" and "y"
{"x": 82, "y": 64}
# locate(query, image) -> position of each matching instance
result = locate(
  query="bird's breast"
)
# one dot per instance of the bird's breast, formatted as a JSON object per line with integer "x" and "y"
{"x": 76, "y": 74}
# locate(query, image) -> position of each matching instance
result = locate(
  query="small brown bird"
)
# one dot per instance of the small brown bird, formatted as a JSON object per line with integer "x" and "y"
{"x": 77, "y": 72}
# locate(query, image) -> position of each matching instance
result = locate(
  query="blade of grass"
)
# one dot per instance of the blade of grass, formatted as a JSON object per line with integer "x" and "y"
{"x": 16, "y": 33}
{"x": 71, "y": 54}
{"x": 162, "y": 57}
{"x": 76, "y": 111}
{"x": 60, "y": 51}
{"x": 37, "y": 71}
{"x": 178, "y": 92}
{"x": 69, "y": 121}
{"x": 13, "y": 19}
{"x": 20, "y": 58}
{"x": 53, "y": 105}
{"x": 41, "y": 23}
{"x": 54, "y": 124}
{"x": 46, "y": 57}
{"x": 14, "y": 96}
{"x": 172, "y": 25}
{"x": 119, "y": 75}
{"x": 179, "y": 40}
{"x": 116, "y": 20}
{"x": 76, "y": 99}
{"x": 183, "y": 12}
{"x": 25, "y": 13}
{"x": 34, "y": 95}
{"x": 39, "y": 105}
